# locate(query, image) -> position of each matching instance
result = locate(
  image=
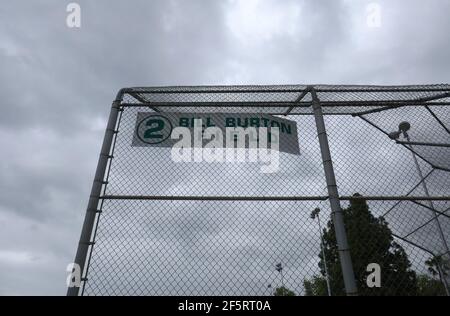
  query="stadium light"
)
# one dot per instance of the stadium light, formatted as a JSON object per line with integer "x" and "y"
{"x": 403, "y": 128}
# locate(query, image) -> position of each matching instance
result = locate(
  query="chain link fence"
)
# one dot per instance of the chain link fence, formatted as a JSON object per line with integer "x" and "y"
{"x": 162, "y": 227}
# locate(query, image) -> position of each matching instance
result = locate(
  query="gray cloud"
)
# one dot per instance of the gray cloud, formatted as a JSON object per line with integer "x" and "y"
{"x": 57, "y": 84}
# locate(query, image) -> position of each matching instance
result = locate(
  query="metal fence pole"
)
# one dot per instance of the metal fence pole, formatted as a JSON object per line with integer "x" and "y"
{"x": 336, "y": 211}
{"x": 91, "y": 212}
{"x": 427, "y": 193}
{"x": 434, "y": 213}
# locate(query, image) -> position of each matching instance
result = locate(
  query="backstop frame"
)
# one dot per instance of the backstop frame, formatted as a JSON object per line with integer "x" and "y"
{"x": 440, "y": 95}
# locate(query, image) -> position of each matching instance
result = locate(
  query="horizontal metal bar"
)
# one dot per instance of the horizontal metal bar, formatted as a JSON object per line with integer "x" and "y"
{"x": 293, "y": 113}
{"x": 305, "y": 113}
{"x": 384, "y": 89}
{"x": 435, "y": 97}
{"x": 284, "y": 104}
{"x": 214, "y": 198}
{"x": 326, "y": 113}
{"x": 423, "y": 144}
{"x": 259, "y": 89}
{"x": 301, "y": 114}
{"x": 269, "y": 198}
{"x": 188, "y": 90}
{"x": 396, "y": 198}
{"x": 376, "y": 110}
{"x": 441, "y": 168}
{"x": 421, "y": 99}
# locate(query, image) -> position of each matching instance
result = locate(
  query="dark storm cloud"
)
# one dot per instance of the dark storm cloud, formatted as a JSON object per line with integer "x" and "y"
{"x": 52, "y": 72}
{"x": 57, "y": 83}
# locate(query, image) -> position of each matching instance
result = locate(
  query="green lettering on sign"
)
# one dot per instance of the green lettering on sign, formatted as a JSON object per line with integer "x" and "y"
{"x": 150, "y": 133}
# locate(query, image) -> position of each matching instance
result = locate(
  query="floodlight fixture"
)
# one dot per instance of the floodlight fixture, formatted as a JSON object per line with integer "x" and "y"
{"x": 315, "y": 212}
{"x": 403, "y": 128}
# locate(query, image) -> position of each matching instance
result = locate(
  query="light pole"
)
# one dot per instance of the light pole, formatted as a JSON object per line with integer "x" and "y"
{"x": 279, "y": 268}
{"x": 315, "y": 214}
{"x": 403, "y": 129}
{"x": 270, "y": 289}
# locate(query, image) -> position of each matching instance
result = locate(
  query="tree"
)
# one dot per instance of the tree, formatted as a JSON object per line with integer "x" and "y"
{"x": 316, "y": 287}
{"x": 428, "y": 286}
{"x": 283, "y": 291}
{"x": 438, "y": 265}
{"x": 370, "y": 241}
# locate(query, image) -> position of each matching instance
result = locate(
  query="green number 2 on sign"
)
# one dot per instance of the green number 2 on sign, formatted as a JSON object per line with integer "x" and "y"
{"x": 153, "y": 131}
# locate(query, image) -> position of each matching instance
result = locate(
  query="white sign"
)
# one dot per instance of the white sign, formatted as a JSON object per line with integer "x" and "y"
{"x": 155, "y": 129}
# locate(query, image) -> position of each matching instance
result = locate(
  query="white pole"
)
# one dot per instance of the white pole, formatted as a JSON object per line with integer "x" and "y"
{"x": 433, "y": 210}
{"x": 333, "y": 195}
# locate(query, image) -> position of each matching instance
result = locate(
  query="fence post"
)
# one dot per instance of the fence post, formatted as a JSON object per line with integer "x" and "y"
{"x": 91, "y": 212}
{"x": 336, "y": 211}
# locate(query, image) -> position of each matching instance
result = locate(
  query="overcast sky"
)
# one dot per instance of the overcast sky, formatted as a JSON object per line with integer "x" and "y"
{"x": 57, "y": 83}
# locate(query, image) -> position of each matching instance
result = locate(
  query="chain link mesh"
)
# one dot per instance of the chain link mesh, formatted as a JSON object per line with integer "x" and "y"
{"x": 160, "y": 240}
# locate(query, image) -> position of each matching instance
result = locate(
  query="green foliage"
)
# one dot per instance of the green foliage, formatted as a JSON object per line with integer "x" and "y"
{"x": 370, "y": 241}
{"x": 428, "y": 286}
{"x": 316, "y": 287}
{"x": 283, "y": 291}
{"x": 438, "y": 261}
